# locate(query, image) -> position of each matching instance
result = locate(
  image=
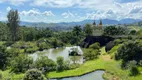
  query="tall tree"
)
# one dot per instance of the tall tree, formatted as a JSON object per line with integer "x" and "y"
{"x": 88, "y": 30}
{"x": 13, "y": 23}
{"x": 77, "y": 30}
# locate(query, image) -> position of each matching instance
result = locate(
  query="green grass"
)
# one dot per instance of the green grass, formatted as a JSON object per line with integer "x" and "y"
{"x": 112, "y": 69}
{"x": 103, "y": 51}
{"x": 85, "y": 68}
{"x": 114, "y": 50}
{"x": 12, "y": 76}
{"x": 110, "y": 66}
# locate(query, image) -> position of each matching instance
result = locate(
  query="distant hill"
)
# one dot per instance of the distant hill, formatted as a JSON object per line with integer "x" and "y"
{"x": 105, "y": 21}
{"x": 129, "y": 21}
{"x": 137, "y": 24}
{"x": 69, "y": 25}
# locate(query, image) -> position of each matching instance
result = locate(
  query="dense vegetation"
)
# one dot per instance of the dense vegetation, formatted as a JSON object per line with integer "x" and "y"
{"x": 17, "y": 42}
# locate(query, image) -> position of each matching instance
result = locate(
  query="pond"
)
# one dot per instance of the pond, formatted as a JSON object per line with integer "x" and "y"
{"x": 64, "y": 52}
{"x": 54, "y": 53}
{"x": 96, "y": 75}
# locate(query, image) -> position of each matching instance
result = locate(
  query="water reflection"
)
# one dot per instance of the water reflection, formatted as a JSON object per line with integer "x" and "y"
{"x": 54, "y": 53}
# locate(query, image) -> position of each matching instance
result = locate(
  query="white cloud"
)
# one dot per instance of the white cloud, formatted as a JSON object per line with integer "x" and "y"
{"x": 107, "y": 7}
{"x": 110, "y": 11}
{"x": 95, "y": 15}
{"x": 68, "y": 14}
{"x": 14, "y": 2}
{"x": 136, "y": 9}
{"x": 55, "y": 3}
{"x": 72, "y": 3}
{"x": 32, "y": 12}
{"x": 8, "y": 8}
{"x": 90, "y": 9}
{"x": 36, "y": 12}
{"x": 48, "y": 13}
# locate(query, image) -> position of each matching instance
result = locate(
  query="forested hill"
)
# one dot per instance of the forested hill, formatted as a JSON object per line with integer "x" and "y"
{"x": 62, "y": 26}
{"x": 66, "y": 25}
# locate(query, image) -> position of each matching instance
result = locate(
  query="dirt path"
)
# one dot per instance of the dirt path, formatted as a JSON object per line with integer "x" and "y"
{"x": 105, "y": 57}
{"x": 104, "y": 54}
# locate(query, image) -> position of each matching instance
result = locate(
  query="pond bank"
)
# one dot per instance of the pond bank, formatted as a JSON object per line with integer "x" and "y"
{"x": 110, "y": 66}
{"x": 87, "y": 67}
{"x": 88, "y": 74}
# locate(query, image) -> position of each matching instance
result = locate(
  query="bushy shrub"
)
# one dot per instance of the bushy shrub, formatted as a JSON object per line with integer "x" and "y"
{"x": 33, "y": 74}
{"x": 43, "y": 63}
{"x": 95, "y": 46}
{"x": 113, "y": 30}
{"x": 2, "y": 46}
{"x": 75, "y": 59}
{"x": 117, "y": 41}
{"x": 90, "y": 54}
{"x": 129, "y": 51}
{"x": 43, "y": 45}
{"x": 60, "y": 64}
{"x": 13, "y": 52}
{"x": 66, "y": 65}
{"x": 134, "y": 71}
{"x": 132, "y": 66}
{"x": 74, "y": 66}
{"x": 18, "y": 44}
{"x": 8, "y": 43}
{"x": 21, "y": 63}
{"x": 31, "y": 50}
{"x": 130, "y": 37}
{"x": 133, "y": 32}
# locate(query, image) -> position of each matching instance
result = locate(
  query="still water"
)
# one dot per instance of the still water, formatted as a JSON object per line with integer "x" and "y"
{"x": 96, "y": 75}
{"x": 54, "y": 53}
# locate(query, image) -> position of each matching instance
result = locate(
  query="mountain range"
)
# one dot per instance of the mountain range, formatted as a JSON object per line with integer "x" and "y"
{"x": 69, "y": 24}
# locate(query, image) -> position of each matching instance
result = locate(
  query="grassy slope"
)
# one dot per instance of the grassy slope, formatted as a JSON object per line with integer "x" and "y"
{"x": 110, "y": 66}
{"x": 87, "y": 67}
{"x": 114, "y": 50}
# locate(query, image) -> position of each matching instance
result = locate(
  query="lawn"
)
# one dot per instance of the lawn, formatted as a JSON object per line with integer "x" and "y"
{"x": 85, "y": 68}
{"x": 110, "y": 66}
{"x": 112, "y": 70}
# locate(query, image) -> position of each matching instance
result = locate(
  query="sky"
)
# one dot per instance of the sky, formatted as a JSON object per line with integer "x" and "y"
{"x": 53, "y": 11}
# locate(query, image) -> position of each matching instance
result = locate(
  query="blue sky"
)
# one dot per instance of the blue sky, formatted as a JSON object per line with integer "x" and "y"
{"x": 71, "y": 10}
